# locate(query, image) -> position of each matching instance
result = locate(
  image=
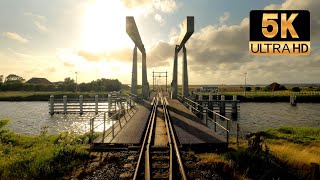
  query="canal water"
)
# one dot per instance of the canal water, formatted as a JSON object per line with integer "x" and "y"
{"x": 33, "y": 117}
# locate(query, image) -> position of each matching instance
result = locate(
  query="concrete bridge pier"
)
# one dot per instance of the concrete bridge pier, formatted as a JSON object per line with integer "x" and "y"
{"x": 185, "y": 84}
{"x": 145, "y": 84}
{"x": 134, "y": 80}
{"x": 174, "y": 84}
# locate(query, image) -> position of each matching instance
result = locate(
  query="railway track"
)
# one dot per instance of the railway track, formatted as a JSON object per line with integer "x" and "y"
{"x": 159, "y": 157}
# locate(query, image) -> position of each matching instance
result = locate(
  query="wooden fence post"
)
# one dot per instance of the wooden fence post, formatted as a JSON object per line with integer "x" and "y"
{"x": 109, "y": 103}
{"x": 234, "y": 110}
{"x": 81, "y": 104}
{"x": 51, "y": 105}
{"x": 222, "y": 105}
{"x": 96, "y": 99}
{"x": 65, "y": 104}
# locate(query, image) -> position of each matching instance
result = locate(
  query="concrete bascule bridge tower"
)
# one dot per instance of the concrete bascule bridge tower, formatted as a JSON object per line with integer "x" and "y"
{"x": 187, "y": 31}
{"x": 133, "y": 32}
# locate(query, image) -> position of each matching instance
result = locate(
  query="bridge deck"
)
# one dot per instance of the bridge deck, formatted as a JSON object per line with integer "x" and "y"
{"x": 132, "y": 132}
{"x": 189, "y": 128}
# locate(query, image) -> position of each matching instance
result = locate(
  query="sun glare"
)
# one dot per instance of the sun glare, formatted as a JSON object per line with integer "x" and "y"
{"x": 104, "y": 26}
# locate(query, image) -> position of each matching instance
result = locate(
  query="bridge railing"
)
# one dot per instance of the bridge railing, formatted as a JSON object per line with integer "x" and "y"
{"x": 83, "y": 105}
{"x": 121, "y": 111}
{"x": 203, "y": 112}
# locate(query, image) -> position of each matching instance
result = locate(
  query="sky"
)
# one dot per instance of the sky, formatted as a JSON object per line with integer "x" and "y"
{"x": 55, "y": 39}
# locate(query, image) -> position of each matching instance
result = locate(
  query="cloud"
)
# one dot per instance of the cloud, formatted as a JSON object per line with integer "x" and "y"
{"x": 67, "y": 64}
{"x": 15, "y": 36}
{"x": 50, "y": 69}
{"x": 224, "y": 17}
{"x": 218, "y": 54}
{"x": 165, "y": 6}
{"x": 159, "y": 19}
{"x": 124, "y": 54}
{"x": 221, "y": 53}
{"x": 157, "y": 55}
{"x": 38, "y": 21}
{"x": 135, "y": 3}
{"x": 88, "y": 55}
{"x": 40, "y": 27}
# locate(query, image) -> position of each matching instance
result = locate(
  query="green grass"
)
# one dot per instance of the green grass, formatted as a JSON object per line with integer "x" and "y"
{"x": 44, "y": 96}
{"x": 294, "y": 134}
{"x": 291, "y": 150}
{"x": 40, "y": 157}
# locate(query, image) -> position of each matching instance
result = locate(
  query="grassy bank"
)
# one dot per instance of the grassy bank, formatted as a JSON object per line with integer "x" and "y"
{"x": 286, "y": 153}
{"x": 44, "y": 96}
{"x": 253, "y": 97}
{"x": 40, "y": 157}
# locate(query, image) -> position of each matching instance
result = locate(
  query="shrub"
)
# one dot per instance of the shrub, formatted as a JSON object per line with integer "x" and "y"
{"x": 295, "y": 89}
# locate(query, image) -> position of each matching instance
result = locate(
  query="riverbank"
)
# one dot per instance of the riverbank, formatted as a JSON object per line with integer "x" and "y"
{"x": 40, "y": 157}
{"x": 285, "y": 152}
{"x": 44, "y": 96}
{"x": 280, "y": 153}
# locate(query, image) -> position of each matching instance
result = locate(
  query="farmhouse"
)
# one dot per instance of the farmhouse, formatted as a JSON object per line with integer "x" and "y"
{"x": 36, "y": 80}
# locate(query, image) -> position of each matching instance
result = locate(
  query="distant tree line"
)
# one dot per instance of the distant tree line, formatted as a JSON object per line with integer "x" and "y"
{"x": 16, "y": 83}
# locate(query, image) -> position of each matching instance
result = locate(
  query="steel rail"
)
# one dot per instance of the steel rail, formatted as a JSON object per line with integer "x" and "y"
{"x": 144, "y": 143}
{"x": 169, "y": 138}
{"x": 175, "y": 144}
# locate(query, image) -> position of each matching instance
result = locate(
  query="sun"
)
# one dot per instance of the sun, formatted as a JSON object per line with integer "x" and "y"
{"x": 104, "y": 26}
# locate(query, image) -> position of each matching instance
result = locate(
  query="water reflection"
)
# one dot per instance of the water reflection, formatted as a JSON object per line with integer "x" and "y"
{"x": 30, "y": 117}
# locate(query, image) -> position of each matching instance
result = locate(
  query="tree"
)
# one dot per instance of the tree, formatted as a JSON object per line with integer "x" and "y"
{"x": 68, "y": 85}
{"x": 295, "y": 89}
{"x": 248, "y": 88}
{"x": 275, "y": 87}
{"x": 12, "y": 78}
{"x": 257, "y": 88}
{"x": 1, "y": 79}
{"x": 68, "y": 80}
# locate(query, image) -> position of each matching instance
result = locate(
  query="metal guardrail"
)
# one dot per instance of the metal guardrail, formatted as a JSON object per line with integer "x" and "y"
{"x": 204, "y": 110}
{"x": 116, "y": 115}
